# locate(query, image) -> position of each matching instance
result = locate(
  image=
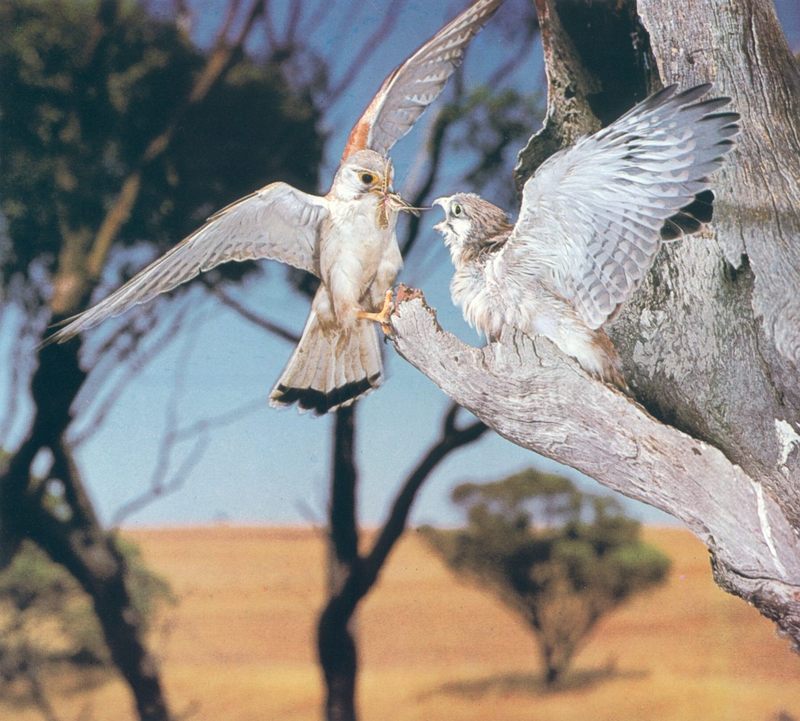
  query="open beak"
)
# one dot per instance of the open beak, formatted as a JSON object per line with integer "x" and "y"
{"x": 441, "y": 227}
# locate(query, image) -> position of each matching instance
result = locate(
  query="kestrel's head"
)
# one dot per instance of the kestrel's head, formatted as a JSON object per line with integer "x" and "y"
{"x": 470, "y": 224}
{"x": 362, "y": 173}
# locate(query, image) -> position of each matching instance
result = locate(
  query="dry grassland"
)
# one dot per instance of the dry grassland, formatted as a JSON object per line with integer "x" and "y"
{"x": 239, "y": 645}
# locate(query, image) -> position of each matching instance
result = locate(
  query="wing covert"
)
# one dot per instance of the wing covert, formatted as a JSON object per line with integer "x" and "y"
{"x": 591, "y": 216}
{"x": 415, "y": 84}
{"x": 276, "y": 222}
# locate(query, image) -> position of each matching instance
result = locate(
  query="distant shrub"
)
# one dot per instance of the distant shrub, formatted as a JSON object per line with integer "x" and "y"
{"x": 560, "y": 558}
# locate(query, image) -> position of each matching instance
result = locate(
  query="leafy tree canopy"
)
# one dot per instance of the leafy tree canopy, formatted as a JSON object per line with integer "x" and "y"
{"x": 559, "y": 557}
{"x": 84, "y": 93}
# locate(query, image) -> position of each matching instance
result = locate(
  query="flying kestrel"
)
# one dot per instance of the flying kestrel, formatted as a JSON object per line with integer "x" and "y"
{"x": 593, "y": 217}
{"x": 346, "y": 237}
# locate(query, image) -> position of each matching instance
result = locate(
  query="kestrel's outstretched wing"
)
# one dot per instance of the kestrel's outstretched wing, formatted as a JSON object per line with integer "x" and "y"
{"x": 276, "y": 222}
{"x": 591, "y": 216}
{"x": 415, "y": 84}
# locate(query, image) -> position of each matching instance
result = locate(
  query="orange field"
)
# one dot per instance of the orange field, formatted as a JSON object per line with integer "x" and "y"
{"x": 239, "y": 645}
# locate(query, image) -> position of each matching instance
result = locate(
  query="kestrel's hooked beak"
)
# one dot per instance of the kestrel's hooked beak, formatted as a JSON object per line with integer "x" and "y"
{"x": 442, "y": 203}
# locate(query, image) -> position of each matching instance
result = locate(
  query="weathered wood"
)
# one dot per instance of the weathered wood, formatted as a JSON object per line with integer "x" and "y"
{"x": 537, "y": 398}
{"x": 711, "y": 342}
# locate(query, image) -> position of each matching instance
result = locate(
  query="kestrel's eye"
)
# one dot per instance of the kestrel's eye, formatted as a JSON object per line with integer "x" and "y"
{"x": 367, "y": 178}
{"x": 456, "y": 210}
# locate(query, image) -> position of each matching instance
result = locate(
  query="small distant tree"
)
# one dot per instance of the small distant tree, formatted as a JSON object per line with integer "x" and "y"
{"x": 559, "y": 557}
{"x": 48, "y": 625}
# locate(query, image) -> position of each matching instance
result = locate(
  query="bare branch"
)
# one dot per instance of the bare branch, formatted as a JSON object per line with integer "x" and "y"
{"x": 449, "y": 424}
{"x": 294, "y": 21}
{"x": 252, "y": 316}
{"x": 224, "y": 29}
{"x": 446, "y": 117}
{"x": 141, "y": 358}
{"x": 269, "y": 27}
{"x": 117, "y": 348}
{"x": 217, "y": 421}
{"x": 366, "y": 51}
{"x": 452, "y": 438}
{"x": 219, "y": 61}
{"x": 347, "y": 19}
{"x": 535, "y": 397}
{"x": 120, "y": 343}
{"x": 160, "y": 485}
{"x": 502, "y": 71}
{"x": 314, "y": 517}
{"x": 318, "y": 16}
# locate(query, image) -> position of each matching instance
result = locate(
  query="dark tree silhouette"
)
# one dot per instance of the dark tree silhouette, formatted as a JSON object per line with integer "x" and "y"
{"x": 353, "y": 573}
{"x": 93, "y": 160}
{"x": 36, "y": 593}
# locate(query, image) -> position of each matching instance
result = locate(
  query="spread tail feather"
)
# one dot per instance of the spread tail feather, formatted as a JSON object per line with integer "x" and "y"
{"x": 330, "y": 370}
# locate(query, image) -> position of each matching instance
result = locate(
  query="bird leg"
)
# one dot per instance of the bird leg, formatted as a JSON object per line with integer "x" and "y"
{"x": 383, "y": 316}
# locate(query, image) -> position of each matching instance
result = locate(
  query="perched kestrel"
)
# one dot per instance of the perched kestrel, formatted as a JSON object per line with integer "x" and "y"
{"x": 593, "y": 217}
{"x": 346, "y": 237}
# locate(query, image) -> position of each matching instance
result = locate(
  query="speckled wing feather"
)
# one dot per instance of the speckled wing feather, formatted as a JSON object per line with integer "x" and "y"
{"x": 276, "y": 222}
{"x": 415, "y": 84}
{"x": 591, "y": 216}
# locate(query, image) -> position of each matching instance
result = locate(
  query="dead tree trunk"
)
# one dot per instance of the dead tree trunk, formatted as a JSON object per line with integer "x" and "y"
{"x": 711, "y": 342}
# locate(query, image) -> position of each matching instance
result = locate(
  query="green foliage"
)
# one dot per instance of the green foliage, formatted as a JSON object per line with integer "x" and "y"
{"x": 80, "y": 105}
{"x": 46, "y": 619}
{"x": 559, "y": 557}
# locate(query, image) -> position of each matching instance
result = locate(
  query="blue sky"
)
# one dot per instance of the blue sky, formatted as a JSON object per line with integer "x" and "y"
{"x": 272, "y": 466}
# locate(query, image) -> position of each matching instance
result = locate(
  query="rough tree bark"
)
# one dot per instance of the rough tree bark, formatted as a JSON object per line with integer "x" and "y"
{"x": 711, "y": 342}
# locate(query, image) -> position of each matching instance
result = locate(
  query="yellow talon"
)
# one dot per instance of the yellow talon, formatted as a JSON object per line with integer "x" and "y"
{"x": 383, "y": 317}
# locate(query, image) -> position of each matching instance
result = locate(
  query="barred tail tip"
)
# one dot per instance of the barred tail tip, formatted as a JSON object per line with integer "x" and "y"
{"x": 321, "y": 402}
